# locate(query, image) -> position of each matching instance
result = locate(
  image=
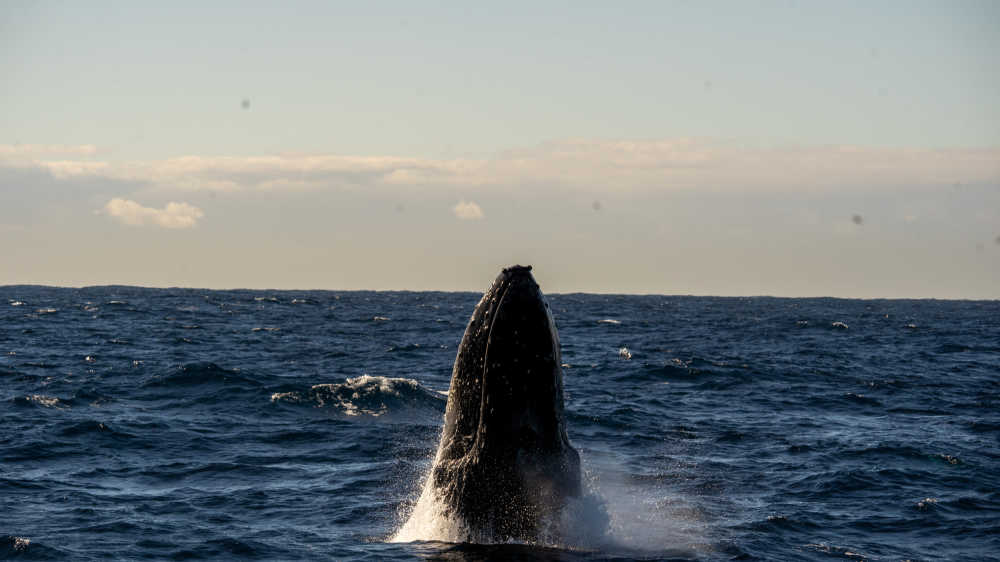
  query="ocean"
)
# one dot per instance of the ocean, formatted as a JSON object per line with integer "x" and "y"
{"x": 300, "y": 425}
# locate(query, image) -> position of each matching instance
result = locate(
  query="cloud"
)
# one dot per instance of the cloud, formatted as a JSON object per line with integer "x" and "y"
{"x": 467, "y": 210}
{"x": 36, "y": 150}
{"x": 52, "y": 157}
{"x": 596, "y": 166}
{"x": 174, "y": 215}
{"x": 295, "y": 172}
{"x": 64, "y": 169}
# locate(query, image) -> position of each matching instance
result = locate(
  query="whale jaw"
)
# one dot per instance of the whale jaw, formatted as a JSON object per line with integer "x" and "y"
{"x": 505, "y": 465}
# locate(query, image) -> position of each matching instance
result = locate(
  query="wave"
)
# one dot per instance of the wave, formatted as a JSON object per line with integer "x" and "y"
{"x": 952, "y": 347}
{"x": 18, "y": 376}
{"x": 834, "y": 551}
{"x": 92, "y": 427}
{"x": 367, "y": 396}
{"x": 702, "y": 374}
{"x": 860, "y": 399}
{"x": 406, "y": 347}
{"x": 201, "y": 373}
{"x": 17, "y": 547}
{"x": 41, "y": 401}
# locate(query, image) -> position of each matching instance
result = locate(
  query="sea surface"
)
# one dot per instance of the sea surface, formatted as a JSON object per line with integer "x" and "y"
{"x": 144, "y": 423}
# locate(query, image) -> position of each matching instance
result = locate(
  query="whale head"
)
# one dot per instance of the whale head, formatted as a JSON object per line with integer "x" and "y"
{"x": 505, "y": 461}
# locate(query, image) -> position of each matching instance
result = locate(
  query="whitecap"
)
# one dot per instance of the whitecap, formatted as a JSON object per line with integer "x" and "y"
{"x": 286, "y": 397}
{"x": 839, "y": 325}
{"x": 950, "y": 459}
{"x": 837, "y": 551}
{"x": 609, "y": 321}
{"x": 46, "y": 401}
{"x": 364, "y": 396}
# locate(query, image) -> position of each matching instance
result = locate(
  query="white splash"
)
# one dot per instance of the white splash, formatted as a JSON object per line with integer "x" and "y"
{"x": 614, "y": 514}
{"x": 430, "y": 521}
{"x": 581, "y": 524}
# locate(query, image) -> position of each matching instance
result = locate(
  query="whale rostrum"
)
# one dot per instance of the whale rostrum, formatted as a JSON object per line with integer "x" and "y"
{"x": 505, "y": 466}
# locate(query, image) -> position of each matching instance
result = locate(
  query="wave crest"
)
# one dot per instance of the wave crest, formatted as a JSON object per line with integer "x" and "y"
{"x": 199, "y": 373}
{"x": 41, "y": 400}
{"x": 366, "y": 395}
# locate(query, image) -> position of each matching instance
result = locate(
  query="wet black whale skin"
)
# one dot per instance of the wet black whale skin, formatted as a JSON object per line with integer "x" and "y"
{"x": 505, "y": 465}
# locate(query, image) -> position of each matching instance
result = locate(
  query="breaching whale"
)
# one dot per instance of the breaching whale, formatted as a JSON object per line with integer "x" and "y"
{"x": 505, "y": 466}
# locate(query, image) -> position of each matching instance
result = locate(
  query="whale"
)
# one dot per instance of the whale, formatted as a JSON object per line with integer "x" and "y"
{"x": 505, "y": 467}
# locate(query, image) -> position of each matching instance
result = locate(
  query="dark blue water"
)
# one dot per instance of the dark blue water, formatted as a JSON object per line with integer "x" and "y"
{"x": 175, "y": 424}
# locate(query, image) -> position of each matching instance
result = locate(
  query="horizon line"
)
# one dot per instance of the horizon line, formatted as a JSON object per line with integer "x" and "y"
{"x": 561, "y": 293}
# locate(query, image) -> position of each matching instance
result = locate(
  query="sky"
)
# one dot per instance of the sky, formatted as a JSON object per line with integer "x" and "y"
{"x": 847, "y": 149}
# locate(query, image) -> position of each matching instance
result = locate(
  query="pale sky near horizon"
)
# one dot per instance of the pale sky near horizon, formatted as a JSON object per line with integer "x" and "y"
{"x": 844, "y": 149}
